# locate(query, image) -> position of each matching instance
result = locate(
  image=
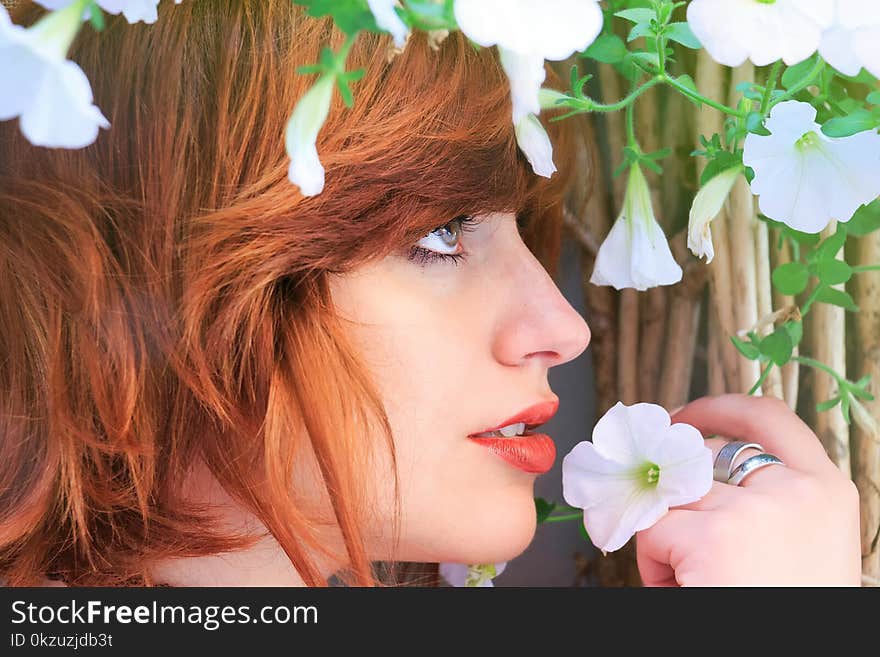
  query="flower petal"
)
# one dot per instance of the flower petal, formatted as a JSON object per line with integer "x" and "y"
{"x": 535, "y": 143}
{"x": 611, "y": 525}
{"x": 838, "y": 49}
{"x": 552, "y": 29}
{"x": 388, "y": 20}
{"x": 685, "y": 464}
{"x": 308, "y": 117}
{"x": 706, "y": 206}
{"x": 613, "y": 261}
{"x": 61, "y": 114}
{"x": 525, "y": 73}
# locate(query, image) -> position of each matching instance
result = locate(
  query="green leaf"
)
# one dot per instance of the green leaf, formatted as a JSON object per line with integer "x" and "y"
{"x": 747, "y": 349}
{"x": 866, "y": 220}
{"x": 795, "y": 331}
{"x": 837, "y": 298}
{"x": 543, "y": 508}
{"x": 607, "y": 48}
{"x": 873, "y": 98}
{"x": 349, "y": 15}
{"x": 844, "y": 407}
{"x": 844, "y": 126}
{"x": 682, "y": 33}
{"x": 830, "y": 246}
{"x": 832, "y": 272}
{"x": 584, "y": 534}
{"x": 640, "y": 30}
{"x": 827, "y": 405}
{"x": 755, "y": 124}
{"x": 796, "y": 73}
{"x": 777, "y": 346}
{"x": 687, "y": 81}
{"x": 790, "y": 278}
{"x": 638, "y": 15}
{"x": 97, "y": 17}
{"x": 347, "y": 98}
{"x": 647, "y": 61}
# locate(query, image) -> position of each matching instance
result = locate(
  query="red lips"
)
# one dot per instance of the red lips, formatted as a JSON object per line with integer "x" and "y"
{"x": 531, "y": 452}
{"x": 532, "y": 416}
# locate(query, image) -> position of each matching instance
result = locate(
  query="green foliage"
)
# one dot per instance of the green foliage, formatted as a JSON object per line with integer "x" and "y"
{"x": 866, "y": 220}
{"x": 790, "y": 278}
{"x": 543, "y": 508}
{"x": 607, "y": 48}
{"x": 858, "y": 121}
{"x": 350, "y": 16}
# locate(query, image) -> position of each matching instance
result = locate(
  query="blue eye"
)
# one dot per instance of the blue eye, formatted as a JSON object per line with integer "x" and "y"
{"x": 433, "y": 246}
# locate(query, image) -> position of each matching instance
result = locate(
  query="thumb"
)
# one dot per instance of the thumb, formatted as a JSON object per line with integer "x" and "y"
{"x": 659, "y": 548}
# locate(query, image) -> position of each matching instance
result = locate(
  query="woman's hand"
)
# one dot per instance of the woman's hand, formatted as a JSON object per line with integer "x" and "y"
{"x": 796, "y": 525}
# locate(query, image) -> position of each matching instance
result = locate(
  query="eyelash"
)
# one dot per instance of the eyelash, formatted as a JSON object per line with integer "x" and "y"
{"x": 426, "y": 256}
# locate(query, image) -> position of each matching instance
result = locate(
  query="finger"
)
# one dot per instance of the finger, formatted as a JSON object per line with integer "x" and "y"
{"x": 765, "y": 420}
{"x": 656, "y": 555}
{"x": 719, "y": 495}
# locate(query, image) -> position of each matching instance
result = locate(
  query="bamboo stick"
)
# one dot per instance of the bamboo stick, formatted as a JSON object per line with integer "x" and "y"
{"x": 653, "y": 303}
{"x": 743, "y": 256}
{"x": 827, "y": 338}
{"x": 710, "y": 81}
{"x": 685, "y": 299}
{"x": 714, "y": 363}
{"x": 790, "y": 372}
{"x": 865, "y": 448}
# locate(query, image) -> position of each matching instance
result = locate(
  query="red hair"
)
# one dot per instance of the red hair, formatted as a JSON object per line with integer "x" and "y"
{"x": 164, "y": 291}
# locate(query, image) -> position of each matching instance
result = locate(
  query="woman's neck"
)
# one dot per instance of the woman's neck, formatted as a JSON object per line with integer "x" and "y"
{"x": 263, "y": 564}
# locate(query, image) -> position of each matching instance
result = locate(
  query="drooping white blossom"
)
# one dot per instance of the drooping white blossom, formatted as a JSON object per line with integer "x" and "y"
{"x": 760, "y": 30}
{"x": 526, "y": 33}
{"x": 635, "y": 253}
{"x": 387, "y": 19}
{"x": 49, "y": 94}
{"x": 478, "y": 575}
{"x": 306, "y": 170}
{"x": 853, "y": 41}
{"x": 133, "y": 10}
{"x": 804, "y": 178}
{"x": 637, "y": 466}
{"x": 706, "y": 206}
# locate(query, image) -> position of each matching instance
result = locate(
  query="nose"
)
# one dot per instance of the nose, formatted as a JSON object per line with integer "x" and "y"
{"x": 537, "y": 321}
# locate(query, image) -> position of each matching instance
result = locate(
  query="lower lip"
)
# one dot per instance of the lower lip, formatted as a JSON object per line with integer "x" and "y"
{"x": 532, "y": 453}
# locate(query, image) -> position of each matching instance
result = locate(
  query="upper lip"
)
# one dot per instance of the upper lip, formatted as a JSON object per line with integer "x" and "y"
{"x": 532, "y": 416}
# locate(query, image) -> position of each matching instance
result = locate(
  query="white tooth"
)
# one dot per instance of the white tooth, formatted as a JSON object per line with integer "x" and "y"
{"x": 513, "y": 429}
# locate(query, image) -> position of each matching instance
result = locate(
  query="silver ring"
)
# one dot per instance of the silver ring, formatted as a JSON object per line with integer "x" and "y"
{"x": 724, "y": 461}
{"x": 751, "y": 464}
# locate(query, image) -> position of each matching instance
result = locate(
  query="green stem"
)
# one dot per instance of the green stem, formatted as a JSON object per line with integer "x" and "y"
{"x": 630, "y": 127}
{"x": 761, "y": 378}
{"x": 690, "y": 93}
{"x": 810, "y": 299}
{"x": 590, "y": 105}
{"x": 771, "y": 85}
{"x": 572, "y": 516}
{"x": 861, "y": 268}
{"x": 802, "y": 83}
{"x": 804, "y": 360}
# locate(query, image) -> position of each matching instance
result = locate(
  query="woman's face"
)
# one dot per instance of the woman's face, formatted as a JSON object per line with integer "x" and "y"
{"x": 459, "y": 347}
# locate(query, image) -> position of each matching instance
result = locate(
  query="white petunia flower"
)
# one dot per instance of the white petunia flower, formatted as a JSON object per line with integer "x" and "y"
{"x": 706, "y": 206}
{"x": 853, "y": 41}
{"x": 388, "y": 20}
{"x": 133, "y": 10}
{"x": 805, "y": 179}
{"x": 637, "y": 466}
{"x": 526, "y": 33}
{"x": 761, "y": 30}
{"x": 51, "y": 96}
{"x": 478, "y": 575}
{"x": 635, "y": 253}
{"x": 308, "y": 116}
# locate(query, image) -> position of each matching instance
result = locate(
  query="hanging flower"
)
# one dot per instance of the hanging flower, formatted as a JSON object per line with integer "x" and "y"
{"x": 133, "y": 10}
{"x": 805, "y": 179}
{"x": 51, "y": 96}
{"x": 635, "y": 253}
{"x": 388, "y": 20}
{"x": 526, "y": 33}
{"x": 308, "y": 116}
{"x": 853, "y": 41}
{"x": 479, "y": 575}
{"x": 706, "y": 206}
{"x": 637, "y": 466}
{"x": 761, "y": 30}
